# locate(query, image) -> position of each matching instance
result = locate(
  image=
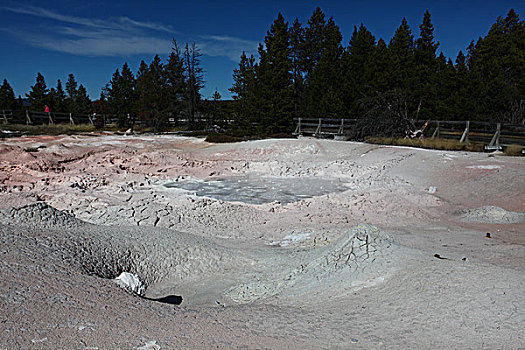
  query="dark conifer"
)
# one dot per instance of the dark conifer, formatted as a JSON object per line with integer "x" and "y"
{"x": 425, "y": 89}
{"x": 314, "y": 42}
{"x": 7, "y": 96}
{"x": 297, "y": 47}
{"x": 275, "y": 78}
{"x": 401, "y": 48}
{"x": 83, "y": 102}
{"x": 194, "y": 80}
{"x": 60, "y": 99}
{"x": 325, "y": 98}
{"x": 38, "y": 95}
{"x": 175, "y": 79}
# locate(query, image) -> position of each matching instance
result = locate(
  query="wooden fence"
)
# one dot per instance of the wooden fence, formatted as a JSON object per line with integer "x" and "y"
{"x": 493, "y": 135}
{"x": 38, "y": 118}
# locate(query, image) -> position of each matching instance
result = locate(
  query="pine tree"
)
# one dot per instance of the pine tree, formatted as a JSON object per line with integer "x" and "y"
{"x": 114, "y": 96}
{"x": 444, "y": 87}
{"x": 121, "y": 95}
{"x": 243, "y": 77}
{"x": 194, "y": 80}
{"x": 243, "y": 92}
{"x": 314, "y": 42}
{"x": 141, "y": 86}
{"x": 7, "y": 96}
{"x": 127, "y": 89}
{"x": 60, "y": 98}
{"x": 175, "y": 75}
{"x": 380, "y": 67}
{"x": 426, "y": 66}
{"x": 82, "y": 101}
{"x": 38, "y": 95}
{"x": 297, "y": 47}
{"x": 358, "y": 67}
{"x": 497, "y": 65}
{"x": 154, "y": 93}
{"x": 72, "y": 92}
{"x": 462, "y": 102}
{"x": 100, "y": 107}
{"x": 401, "y": 48}
{"x": 324, "y": 90}
{"x": 275, "y": 79}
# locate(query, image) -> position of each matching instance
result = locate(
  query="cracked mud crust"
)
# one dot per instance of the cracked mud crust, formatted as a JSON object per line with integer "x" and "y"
{"x": 355, "y": 268}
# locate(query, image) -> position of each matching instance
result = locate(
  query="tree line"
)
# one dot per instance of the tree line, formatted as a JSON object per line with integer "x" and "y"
{"x": 156, "y": 92}
{"x": 74, "y": 99}
{"x": 306, "y": 71}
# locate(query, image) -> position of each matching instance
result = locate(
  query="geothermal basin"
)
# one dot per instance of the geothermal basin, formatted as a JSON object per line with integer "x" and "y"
{"x": 296, "y": 243}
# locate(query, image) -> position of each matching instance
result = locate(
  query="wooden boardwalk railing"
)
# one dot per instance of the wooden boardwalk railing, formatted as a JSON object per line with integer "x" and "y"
{"x": 37, "y": 118}
{"x": 493, "y": 135}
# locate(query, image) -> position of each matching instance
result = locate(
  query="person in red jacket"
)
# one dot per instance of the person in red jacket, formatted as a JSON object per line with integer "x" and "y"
{"x": 47, "y": 109}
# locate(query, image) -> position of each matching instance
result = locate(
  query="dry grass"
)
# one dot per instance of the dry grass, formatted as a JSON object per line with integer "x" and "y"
{"x": 223, "y": 138}
{"x": 53, "y": 129}
{"x": 437, "y": 143}
{"x": 513, "y": 150}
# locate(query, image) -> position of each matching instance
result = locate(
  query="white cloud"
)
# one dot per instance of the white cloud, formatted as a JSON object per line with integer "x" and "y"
{"x": 120, "y": 36}
{"x": 215, "y": 45}
{"x": 114, "y": 23}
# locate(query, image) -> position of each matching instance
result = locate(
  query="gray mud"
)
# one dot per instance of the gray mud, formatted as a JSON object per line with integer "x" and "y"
{"x": 492, "y": 215}
{"x": 260, "y": 190}
{"x": 371, "y": 262}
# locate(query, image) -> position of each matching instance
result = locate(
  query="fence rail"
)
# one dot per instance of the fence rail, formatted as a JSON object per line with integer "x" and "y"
{"x": 38, "y": 118}
{"x": 493, "y": 135}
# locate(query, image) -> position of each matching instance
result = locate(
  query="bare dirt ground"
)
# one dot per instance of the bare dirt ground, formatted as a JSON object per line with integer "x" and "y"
{"x": 391, "y": 252}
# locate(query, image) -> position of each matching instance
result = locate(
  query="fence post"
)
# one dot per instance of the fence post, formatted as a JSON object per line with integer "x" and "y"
{"x": 494, "y": 143}
{"x": 318, "y": 130}
{"x": 298, "y": 128}
{"x": 464, "y": 137}
{"x": 341, "y": 128}
{"x": 436, "y": 132}
{"x": 28, "y": 120}
{"x": 71, "y": 121}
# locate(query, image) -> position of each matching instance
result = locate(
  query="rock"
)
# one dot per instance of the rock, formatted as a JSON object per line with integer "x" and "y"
{"x": 150, "y": 345}
{"x": 131, "y": 283}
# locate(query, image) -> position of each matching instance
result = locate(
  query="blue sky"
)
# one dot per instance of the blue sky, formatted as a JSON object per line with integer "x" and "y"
{"x": 93, "y": 38}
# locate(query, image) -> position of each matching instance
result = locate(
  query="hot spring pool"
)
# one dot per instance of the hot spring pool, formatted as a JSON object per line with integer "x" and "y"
{"x": 259, "y": 190}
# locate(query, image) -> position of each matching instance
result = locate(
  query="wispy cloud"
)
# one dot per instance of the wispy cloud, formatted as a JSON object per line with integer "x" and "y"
{"x": 215, "y": 45}
{"x": 117, "y": 36}
{"x": 111, "y": 23}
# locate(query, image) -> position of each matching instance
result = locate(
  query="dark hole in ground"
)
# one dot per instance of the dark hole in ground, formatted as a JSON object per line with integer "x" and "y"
{"x": 170, "y": 299}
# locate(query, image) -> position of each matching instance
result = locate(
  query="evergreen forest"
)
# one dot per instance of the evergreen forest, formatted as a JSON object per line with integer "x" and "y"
{"x": 306, "y": 70}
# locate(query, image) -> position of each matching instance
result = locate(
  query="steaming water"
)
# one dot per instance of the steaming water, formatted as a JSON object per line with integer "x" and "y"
{"x": 261, "y": 190}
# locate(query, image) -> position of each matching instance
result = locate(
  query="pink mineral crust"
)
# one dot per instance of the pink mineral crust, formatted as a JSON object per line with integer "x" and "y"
{"x": 400, "y": 259}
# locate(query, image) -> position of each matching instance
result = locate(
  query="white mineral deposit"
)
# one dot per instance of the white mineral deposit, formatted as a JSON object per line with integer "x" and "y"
{"x": 282, "y": 243}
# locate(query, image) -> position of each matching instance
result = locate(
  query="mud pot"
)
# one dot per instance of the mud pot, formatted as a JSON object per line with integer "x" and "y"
{"x": 166, "y": 242}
